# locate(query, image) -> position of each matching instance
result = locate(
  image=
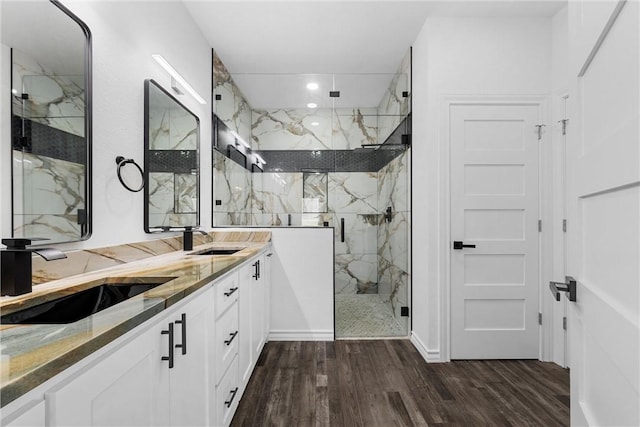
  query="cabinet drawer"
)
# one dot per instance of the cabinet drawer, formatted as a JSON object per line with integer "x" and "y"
{"x": 228, "y": 395}
{"x": 226, "y": 340}
{"x": 227, "y": 292}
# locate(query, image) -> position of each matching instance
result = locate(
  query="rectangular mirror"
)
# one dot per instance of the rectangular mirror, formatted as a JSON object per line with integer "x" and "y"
{"x": 50, "y": 120}
{"x": 171, "y": 159}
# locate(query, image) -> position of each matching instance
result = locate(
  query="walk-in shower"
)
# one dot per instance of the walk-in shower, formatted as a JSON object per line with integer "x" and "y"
{"x": 333, "y": 154}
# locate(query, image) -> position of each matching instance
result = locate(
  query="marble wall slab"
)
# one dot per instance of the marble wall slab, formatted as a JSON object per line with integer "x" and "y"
{"x": 353, "y": 192}
{"x": 185, "y": 190}
{"x": 314, "y": 192}
{"x": 232, "y": 107}
{"x": 172, "y": 128}
{"x": 393, "y": 289}
{"x": 314, "y": 129}
{"x": 393, "y": 184}
{"x": 353, "y": 127}
{"x": 356, "y": 273}
{"x": 280, "y": 193}
{"x": 291, "y": 129}
{"x": 232, "y": 187}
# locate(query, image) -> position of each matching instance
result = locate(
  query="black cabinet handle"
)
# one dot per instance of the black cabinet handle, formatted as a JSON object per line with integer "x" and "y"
{"x": 183, "y": 322}
{"x": 570, "y": 286}
{"x": 460, "y": 245}
{"x": 230, "y": 340}
{"x": 169, "y": 332}
{"x": 233, "y": 395}
{"x": 256, "y": 265}
{"x": 342, "y": 229}
{"x": 231, "y": 291}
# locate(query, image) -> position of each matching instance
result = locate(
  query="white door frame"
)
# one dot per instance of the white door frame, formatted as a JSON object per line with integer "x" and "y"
{"x": 446, "y": 102}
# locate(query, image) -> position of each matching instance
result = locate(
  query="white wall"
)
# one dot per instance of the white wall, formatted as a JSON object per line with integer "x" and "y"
{"x": 555, "y": 182}
{"x": 125, "y": 34}
{"x": 302, "y": 282}
{"x": 458, "y": 56}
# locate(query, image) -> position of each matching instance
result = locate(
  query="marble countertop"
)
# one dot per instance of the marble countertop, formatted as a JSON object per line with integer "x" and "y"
{"x": 32, "y": 354}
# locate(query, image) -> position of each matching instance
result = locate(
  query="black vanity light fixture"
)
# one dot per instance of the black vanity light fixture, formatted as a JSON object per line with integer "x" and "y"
{"x": 177, "y": 77}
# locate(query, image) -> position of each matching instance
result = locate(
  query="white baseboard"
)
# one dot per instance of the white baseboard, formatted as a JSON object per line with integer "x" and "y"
{"x": 430, "y": 356}
{"x": 301, "y": 335}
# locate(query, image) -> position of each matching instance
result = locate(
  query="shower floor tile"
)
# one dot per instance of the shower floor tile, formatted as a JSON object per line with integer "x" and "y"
{"x": 365, "y": 316}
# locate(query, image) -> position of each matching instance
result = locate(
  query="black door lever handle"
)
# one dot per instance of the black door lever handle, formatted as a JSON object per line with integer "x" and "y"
{"x": 460, "y": 245}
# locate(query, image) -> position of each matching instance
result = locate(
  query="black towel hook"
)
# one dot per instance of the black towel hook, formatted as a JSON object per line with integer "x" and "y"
{"x": 121, "y": 161}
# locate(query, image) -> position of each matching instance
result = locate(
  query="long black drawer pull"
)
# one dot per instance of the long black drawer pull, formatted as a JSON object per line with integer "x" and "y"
{"x": 342, "y": 229}
{"x": 183, "y": 322}
{"x": 233, "y": 335}
{"x": 169, "y": 332}
{"x": 233, "y": 396}
{"x": 231, "y": 291}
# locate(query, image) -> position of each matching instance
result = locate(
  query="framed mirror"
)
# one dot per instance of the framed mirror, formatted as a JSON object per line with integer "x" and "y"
{"x": 50, "y": 120}
{"x": 172, "y": 170}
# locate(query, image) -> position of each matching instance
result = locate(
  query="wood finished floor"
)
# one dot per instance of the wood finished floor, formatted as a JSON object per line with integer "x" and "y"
{"x": 387, "y": 383}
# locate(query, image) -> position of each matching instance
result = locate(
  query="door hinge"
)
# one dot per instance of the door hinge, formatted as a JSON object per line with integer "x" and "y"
{"x": 404, "y": 311}
{"x": 539, "y": 318}
{"x": 539, "y": 225}
{"x": 564, "y": 323}
{"x": 564, "y": 225}
{"x": 564, "y": 125}
{"x": 539, "y": 127}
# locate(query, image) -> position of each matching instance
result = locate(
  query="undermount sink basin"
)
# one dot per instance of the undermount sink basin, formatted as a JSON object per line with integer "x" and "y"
{"x": 77, "y": 306}
{"x": 216, "y": 251}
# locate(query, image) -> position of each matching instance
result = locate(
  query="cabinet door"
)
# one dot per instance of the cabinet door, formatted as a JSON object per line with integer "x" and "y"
{"x": 247, "y": 272}
{"x": 129, "y": 387}
{"x": 257, "y": 311}
{"x": 31, "y": 415}
{"x": 267, "y": 295}
{"x": 193, "y": 329}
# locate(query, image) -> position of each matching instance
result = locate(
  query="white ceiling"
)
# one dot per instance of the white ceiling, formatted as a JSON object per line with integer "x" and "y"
{"x": 324, "y": 37}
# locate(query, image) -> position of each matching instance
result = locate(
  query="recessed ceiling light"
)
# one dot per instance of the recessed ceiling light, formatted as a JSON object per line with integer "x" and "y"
{"x": 312, "y": 86}
{"x": 312, "y": 105}
{"x": 315, "y": 124}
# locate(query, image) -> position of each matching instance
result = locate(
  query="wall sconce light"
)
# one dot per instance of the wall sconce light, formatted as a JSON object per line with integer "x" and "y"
{"x": 178, "y": 78}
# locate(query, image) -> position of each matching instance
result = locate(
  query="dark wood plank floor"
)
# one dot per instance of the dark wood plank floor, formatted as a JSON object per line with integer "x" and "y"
{"x": 387, "y": 383}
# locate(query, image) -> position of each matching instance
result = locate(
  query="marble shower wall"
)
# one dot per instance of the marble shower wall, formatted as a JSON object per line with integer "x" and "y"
{"x": 393, "y": 236}
{"x": 229, "y": 103}
{"x": 232, "y": 190}
{"x": 313, "y": 129}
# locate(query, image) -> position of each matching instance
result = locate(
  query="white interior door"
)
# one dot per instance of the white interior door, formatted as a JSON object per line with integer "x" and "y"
{"x": 494, "y": 206}
{"x": 604, "y": 213}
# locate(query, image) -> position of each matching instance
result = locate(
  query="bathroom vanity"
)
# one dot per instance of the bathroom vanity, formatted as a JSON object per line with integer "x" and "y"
{"x": 180, "y": 353}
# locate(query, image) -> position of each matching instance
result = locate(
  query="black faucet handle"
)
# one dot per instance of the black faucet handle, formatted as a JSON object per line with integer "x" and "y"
{"x": 20, "y": 242}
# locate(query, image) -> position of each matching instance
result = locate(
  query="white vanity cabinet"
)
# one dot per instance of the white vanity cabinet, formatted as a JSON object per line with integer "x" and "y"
{"x": 253, "y": 297}
{"x": 29, "y": 415}
{"x": 158, "y": 377}
{"x": 186, "y": 366}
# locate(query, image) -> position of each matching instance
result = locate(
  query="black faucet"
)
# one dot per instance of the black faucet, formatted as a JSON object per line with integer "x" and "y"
{"x": 15, "y": 264}
{"x": 187, "y": 237}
